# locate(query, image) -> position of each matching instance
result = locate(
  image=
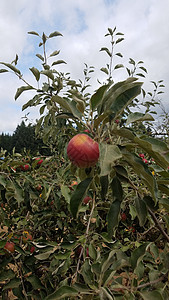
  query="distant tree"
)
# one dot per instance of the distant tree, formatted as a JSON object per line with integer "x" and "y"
{"x": 23, "y": 138}
{"x": 6, "y": 142}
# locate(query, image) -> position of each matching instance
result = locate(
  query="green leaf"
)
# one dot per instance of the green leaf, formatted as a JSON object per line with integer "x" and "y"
{"x": 35, "y": 72}
{"x": 156, "y": 149}
{"x": 45, "y": 255}
{"x": 54, "y": 53}
{"x": 62, "y": 292}
{"x": 60, "y": 61}
{"x": 119, "y": 54}
{"x": 13, "y": 283}
{"x": 55, "y": 33}
{"x": 33, "y": 32}
{"x": 113, "y": 217}
{"x": 108, "y": 260}
{"x": 12, "y": 67}
{"x": 119, "y": 40}
{"x": 40, "y": 56}
{"x": 137, "y": 116}
{"x": 107, "y": 50}
{"x": 120, "y": 95}
{"x": 118, "y": 66}
{"x": 117, "y": 189}
{"x": 87, "y": 273}
{"x": 105, "y": 70}
{"x": 35, "y": 282}
{"x": 22, "y": 89}
{"x": 67, "y": 104}
{"x": 3, "y": 181}
{"x": 108, "y": 154}
{"x": 142, "y": 170}
{"x": 65, "y": 192}
{"x": 48, "y": 73}
{"x": 6, "y": 275}
{"x": 97, "y": 97}
{"x": 18, "y": 193}
{"x": 3, "y": 70}
{"x": 154, "y": 295}
{"x": 92, "y": 252}
{"x": 78, "y": 195}
{"x": 104, "y": 182}
{"x": 138, "y": 254}
{"x": 141, "y": 209}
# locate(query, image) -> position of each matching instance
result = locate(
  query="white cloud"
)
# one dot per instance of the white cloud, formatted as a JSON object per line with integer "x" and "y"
{"x": 83, "y": 24}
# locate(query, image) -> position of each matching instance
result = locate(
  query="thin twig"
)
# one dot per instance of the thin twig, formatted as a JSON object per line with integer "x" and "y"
{"x": 150, "y": 283}
{"x": 158, "y": 224}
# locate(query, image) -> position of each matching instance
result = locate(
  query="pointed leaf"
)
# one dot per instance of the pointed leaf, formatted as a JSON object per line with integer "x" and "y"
{"x": 22, "y": 89}
{"x": 137, "y": 116}
{"x": 55, "y": 53}
{"x": 104, "y": 182}
{"x": 113, "y": 217}
{"x": 105, "y": 70}
{"x": 78, "y": 196}
{"x": 118, "y": 66}
{"x": 12, "y": 67}
{"x": 154, "y": 295}
{"x": 62, "y": 292}
{"x": 143, "y": 172}
{"x": 35, "y": 72}
{"x": 108, "y": 154}
{"x": 40, "y": 56}
{"x": 138, "y": 254}
{"x": 156, "y": 149}
{"x": 3, "y": 70}
{"x": 141, "y": 209}
{"x": 97, "y": 97}
{"x": 107, "y": 50}
{"x": 33, "y": 32}
{"x": 58, "y": 62}
{"x": 48, "y": 73}
{"x": 55, "y": 33}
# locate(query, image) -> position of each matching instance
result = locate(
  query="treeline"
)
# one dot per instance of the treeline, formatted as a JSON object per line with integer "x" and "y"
{"x": 23, "y": 139}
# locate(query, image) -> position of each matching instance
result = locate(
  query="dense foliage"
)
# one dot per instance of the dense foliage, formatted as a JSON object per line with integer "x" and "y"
{"x": 24, "y": 140}
{"x": 99, "y": 232}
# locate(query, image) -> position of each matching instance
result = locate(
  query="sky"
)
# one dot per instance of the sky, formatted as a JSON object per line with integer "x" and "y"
{"x": 83, "y": 24}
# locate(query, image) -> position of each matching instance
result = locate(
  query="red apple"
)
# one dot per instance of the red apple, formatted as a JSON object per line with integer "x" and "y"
{"x": 145, "y": 160}
{"x": 141, "y": 155}
{"x": 10, "y": 247}
{"x": 26, "y": 237}
{"x": 83, "y": 151}
{"x": 123, "y": 217}
{"x": 117, "y": 121}
{"x": 38, "y": 187}
{"x": 32, "y": 249}
{"x": 40, "y": 161}
{"x": 25, "y": 167}
{"x": 86, "y": 199}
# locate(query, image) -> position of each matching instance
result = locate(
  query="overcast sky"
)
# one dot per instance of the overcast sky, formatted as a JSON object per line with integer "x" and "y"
{"x": 83, "y": 23}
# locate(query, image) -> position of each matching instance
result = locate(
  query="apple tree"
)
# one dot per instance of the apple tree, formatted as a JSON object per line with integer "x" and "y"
{"x": 90, "y": 221}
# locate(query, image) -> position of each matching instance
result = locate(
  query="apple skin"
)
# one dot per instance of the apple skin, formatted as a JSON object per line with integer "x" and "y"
{"x": 10, "y": 247}
{"x": 40, "y": 161}
{"x": 87, "y": 199}
{"x": 123, "y": 217}
{"x": 83, "y": 151}
{"x": 25, "y": 167}
{"x": 141, "y": 155}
